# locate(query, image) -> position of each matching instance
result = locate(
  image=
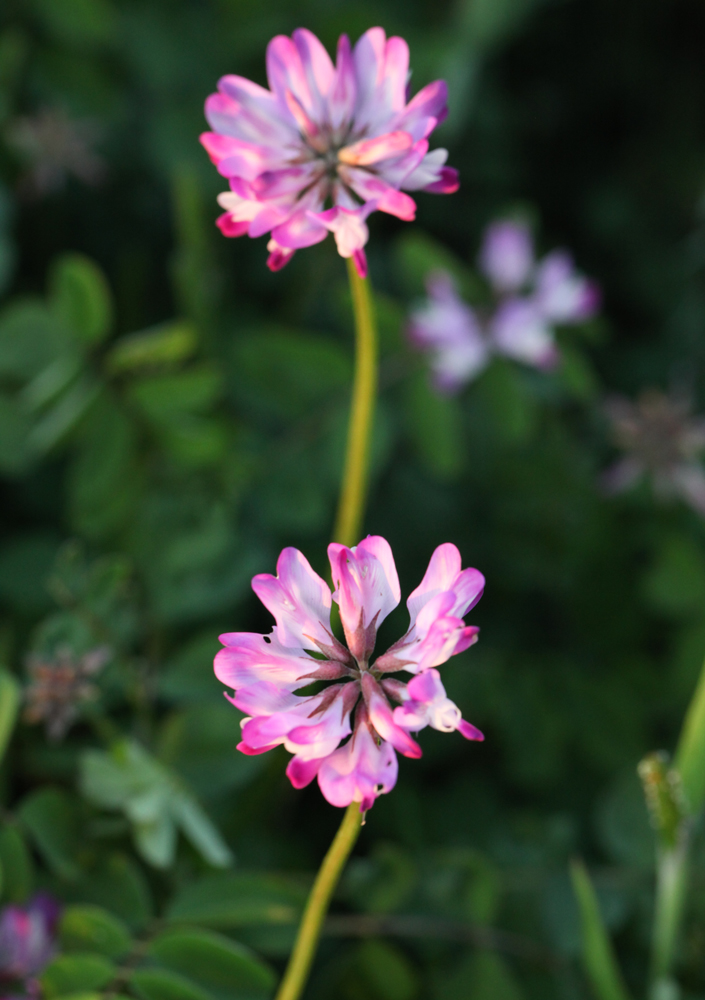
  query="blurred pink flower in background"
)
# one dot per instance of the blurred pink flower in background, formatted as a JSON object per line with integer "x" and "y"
{"x": 268, "y": 671}
{"x": 341, "y": 134}
{"x": 530, "y": 298}
{"x": 662, "y": 440}
{"x": 27, "y": 944}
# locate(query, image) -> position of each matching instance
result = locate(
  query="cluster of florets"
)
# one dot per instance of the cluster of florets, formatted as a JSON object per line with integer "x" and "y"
{"x": 530, "y": 298}
{"x": 360, "y": 699}
{"x": 27, "y": 945}
{"x": 662, "y": 441}
{"x": 326, "y": 144}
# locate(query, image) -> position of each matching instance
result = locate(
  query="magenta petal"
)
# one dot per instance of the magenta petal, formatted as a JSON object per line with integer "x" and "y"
{"x": 254, "y": 751}
{"x": 279, "y": 258}
{"x": 302, "y": 772}
{"x": 469, "y": 731}
{"x": 447, "y": 183}
{"x": 360, "y": 259}
{"x": 229, "y": 227}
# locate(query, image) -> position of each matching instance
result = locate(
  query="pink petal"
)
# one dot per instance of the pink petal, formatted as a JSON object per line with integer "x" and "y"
{"x": 368, "y": 151}
{"x": 360, "y": 259}
{"x": 254, "y": 751}
{"x": 469, "y": 731}
{"x": 229, "y": 227}
{"x": 396, "y": 72}
{"x": 445, "y": 573}
{"x": 368, "y": 187}
{"x": 279, "y": 257}
{"x": 426, "y": 686}
{"x": 563, "y": 295}
{"x": 367, "y": 589}
{"x": 316, "y": 63}
{"x": 285, "y": 71}
{"x": 261, "y": 118}
{"x": 301, "y": 230}
{"x": 302, "y": 772}
{"x": 430, "y": 102}
{"x": 348, "y": 226}
{"x": 382, "y": 718}
{"x": 249, "y": 657}
{"x": 447, "y": 183}
{"x": 358, "y": 771}
{"x": 341, "y": 98}
{"x": 298, "y": 598}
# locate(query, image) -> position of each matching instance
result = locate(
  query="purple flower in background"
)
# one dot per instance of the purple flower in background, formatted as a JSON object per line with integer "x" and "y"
{"x": 27, "y": 944}
{"x": 530, "y": 297}
{"x": 342, "y": 135}
{"x": 661, "y": 441}
{"x": 507, "y": 255}
{"x": 450, "y": 331}
{"x": 356, "y": 705}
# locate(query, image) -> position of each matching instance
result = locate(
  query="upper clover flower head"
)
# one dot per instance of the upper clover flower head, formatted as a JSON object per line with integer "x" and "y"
{"x": 530, "y": 297}
{"x": 27, "y": 944}
{"x": 662, "y": 440}
{"x": 357, "y": 703}
{"x": 326, "y": 144}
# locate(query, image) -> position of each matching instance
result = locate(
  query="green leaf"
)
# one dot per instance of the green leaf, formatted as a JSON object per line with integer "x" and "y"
{"x": 239, "y": 899}
{"x": 419, "y": 255}
{"x": 79, "y": 295}
{"x": 104, "y": 479}
{"x": 598, "y": 957}
{"x": 50, "y": 816}
{"x": 387, "y": 971}
{"x": 675, "y": 583}
{"x": 512, "y": 409}
{"x": 115, "y": 883}
{"x": 76, "y": 974}
{"x": 215, "y": 962}
{"x": 58, "y": 421}
{"x": 15, "y": 425}
{"x": 9, "y": 704}
{"x": 690, "y": 752}
{"x": 159, "y": 984}
{"x": 162, "y": 397}
{"x": 154, "y": 800}
{"x": 160, "y": 346}
{"x": 31, "y": 339}
{"x": 90, "y": 928}
{"x": 17, "y": 866}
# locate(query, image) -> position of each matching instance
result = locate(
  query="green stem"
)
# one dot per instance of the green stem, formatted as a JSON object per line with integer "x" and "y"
{"x": 671, "y": 884}
{"x": 353, "y": 493}
{"x": 317, "y": 905}
{"x": 348, "y": 522}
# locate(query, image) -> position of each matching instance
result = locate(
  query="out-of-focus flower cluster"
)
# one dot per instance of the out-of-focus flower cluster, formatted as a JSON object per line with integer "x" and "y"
{"x": 53, "y": 147}
{"x": 340, "y": 135}
{"x": 270, "y": 673}
{"x": 662, "y": 441}
{"x": 58, "y": 685}
{"x": 27, "y": 945}
{"x": 530, "y": 298}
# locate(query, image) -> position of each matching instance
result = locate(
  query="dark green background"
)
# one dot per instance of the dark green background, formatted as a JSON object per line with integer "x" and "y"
{"x": 590, "y": 116}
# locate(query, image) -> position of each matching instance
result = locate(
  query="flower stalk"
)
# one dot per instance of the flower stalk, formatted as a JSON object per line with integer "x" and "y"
{"x": 353, "y": 494}
{"x": 317, "y": 904}
{"x": 351, "y": 506}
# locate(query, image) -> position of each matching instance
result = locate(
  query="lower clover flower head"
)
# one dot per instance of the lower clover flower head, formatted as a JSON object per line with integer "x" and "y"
{"x": 530, "y": 298}
{"x": 342, "y": 136}
{"x": 362, "y": 703}
{"x": 27, "y": 944}
{"x": 661, "y": 441}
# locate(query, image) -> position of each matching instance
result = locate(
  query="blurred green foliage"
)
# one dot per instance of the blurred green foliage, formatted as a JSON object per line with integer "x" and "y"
{"x": 172, "y": 414}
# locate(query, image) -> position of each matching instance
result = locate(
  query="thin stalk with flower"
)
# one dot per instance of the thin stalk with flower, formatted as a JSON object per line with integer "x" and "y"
{"x": 342, "y": 134}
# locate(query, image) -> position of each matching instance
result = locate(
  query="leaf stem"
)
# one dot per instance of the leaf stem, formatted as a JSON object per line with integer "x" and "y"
{"x": 353, "y": 492}
{"x": 317, "y": 905}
